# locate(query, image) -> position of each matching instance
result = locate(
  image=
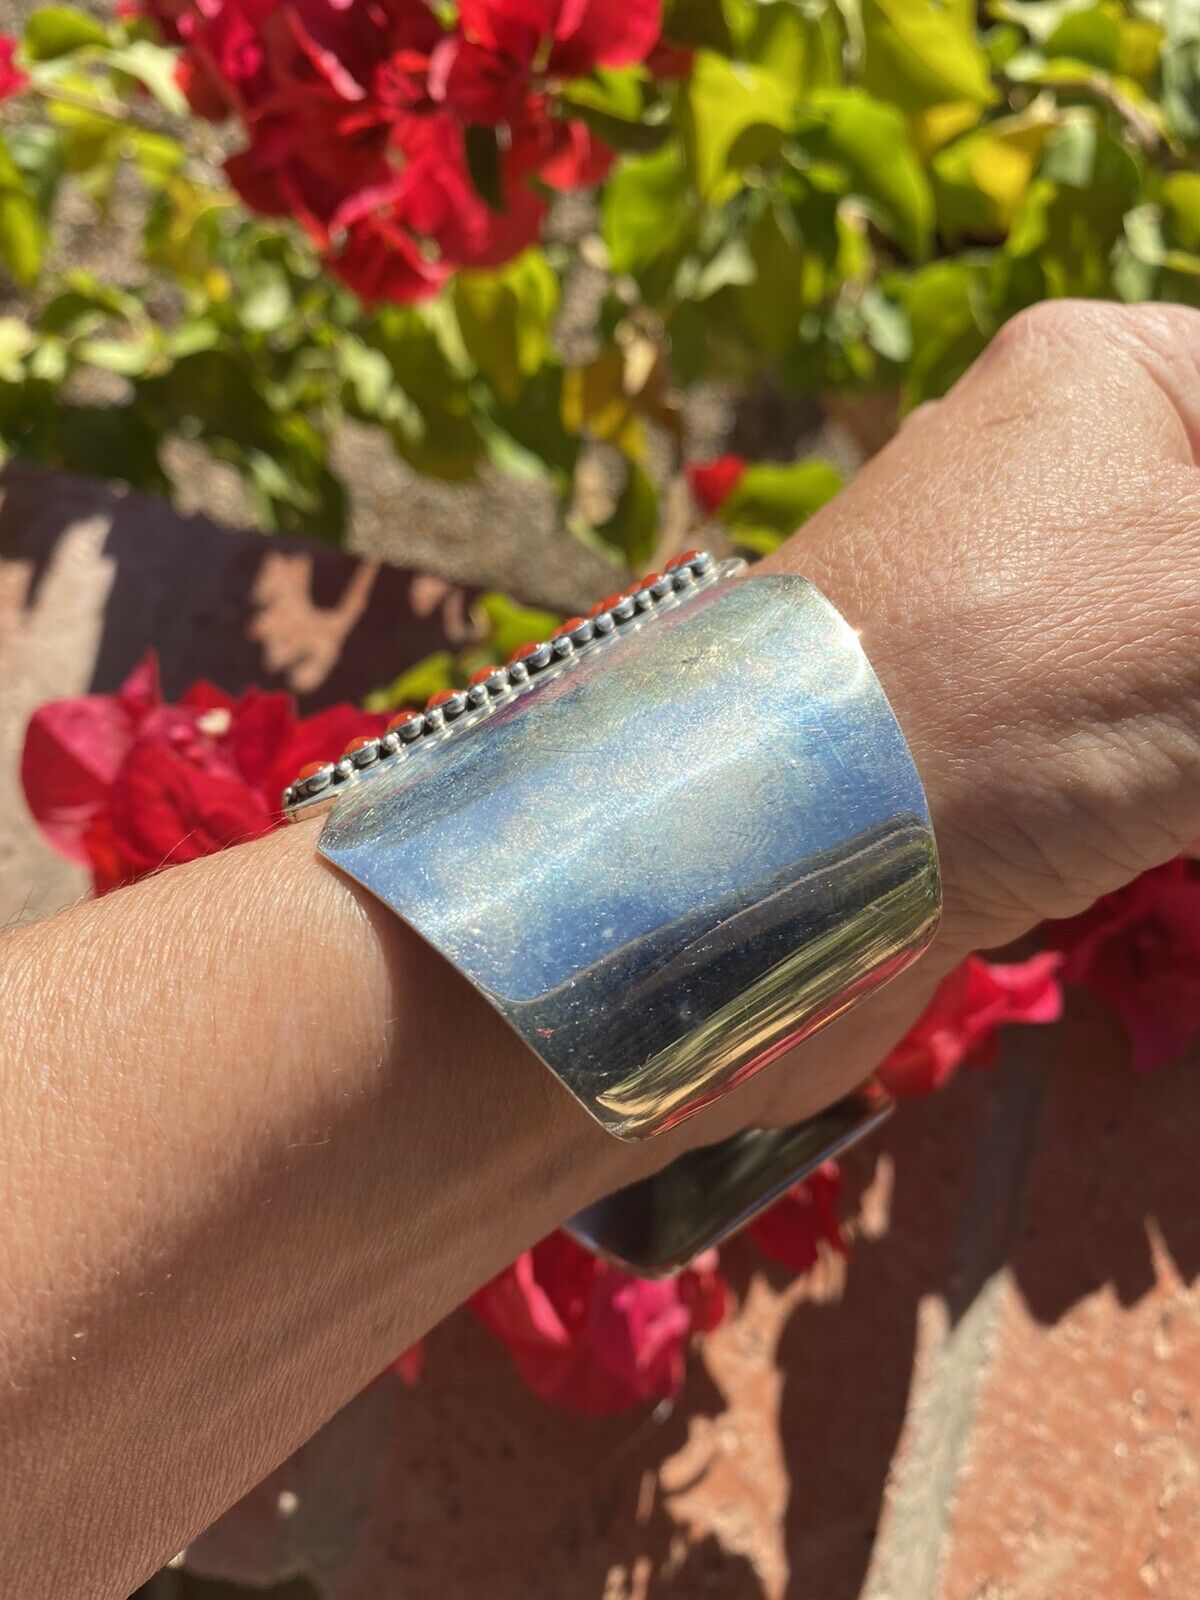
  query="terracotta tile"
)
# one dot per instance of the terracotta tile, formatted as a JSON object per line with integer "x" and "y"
{"x": 1082, "y": 1476}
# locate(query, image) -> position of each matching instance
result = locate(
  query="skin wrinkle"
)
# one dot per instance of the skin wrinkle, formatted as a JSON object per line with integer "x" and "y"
{"x": 280, "y": 1138}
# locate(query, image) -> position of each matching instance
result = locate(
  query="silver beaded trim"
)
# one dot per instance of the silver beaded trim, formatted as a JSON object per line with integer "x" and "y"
{"x": 465, "y": 707}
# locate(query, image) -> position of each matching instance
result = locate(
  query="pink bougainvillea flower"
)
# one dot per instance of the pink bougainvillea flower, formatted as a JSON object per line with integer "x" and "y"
{"x": 590, "y": 1337}
{"x": 1139, "y": 950}
{"x": 12, "y": 79}
{"x": 127, "y": 783}
{"x": 712, "y": 482}
{"x": 959, "y": 1024}
{"x": 793, "y": 1229}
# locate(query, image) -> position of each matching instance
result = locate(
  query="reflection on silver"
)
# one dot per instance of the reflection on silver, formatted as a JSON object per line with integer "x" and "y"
{"x": 671, "y": 863}
{"x": 660, "y": 1224}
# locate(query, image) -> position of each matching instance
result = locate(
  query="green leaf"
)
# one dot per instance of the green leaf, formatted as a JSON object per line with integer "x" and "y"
{"x": 981, "y": 179}
{"x": 921, "y": 53}
{"x": 801, "y": 44}
{"x": 505, "y": 317}
{"x": 623, "y": 107}
{"x": 1039, "y": 18}
{"x": 951, "y": 321}
{"x": 436, "y": 431}
{"x": 1103, "y": 36}
{"x": 886, "y": 325}
{"x": 776, "y": 500}
{"x": 153, "y": 66}
{"x": 697, "y": 24}
{"x": 771, "y": 306}
{"x": 130, "y": 358}
{"x": 36, "y": 150}
{"x": 1180, "y": 68}
{"x": 511, "y": 625}
{"x": 1181, "y": 202}
{"x": 531, "y": 431}
{"x": 632, "y": 529}
{"x": 415, "y": 684}
{"x": 264, "y": 299}
{"x": 369, "y": 382}
{"x": 735, "y": 117}
{"x": 22, "y": 231}
{"x": 53, "y": 31}
{"x": 17, "y": 339}
{"x": 870, "y": 142}
{"x": 645, "y": 208}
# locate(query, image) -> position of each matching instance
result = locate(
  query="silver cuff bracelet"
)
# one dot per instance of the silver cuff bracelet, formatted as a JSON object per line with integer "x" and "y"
{"x": 666, "y": 845}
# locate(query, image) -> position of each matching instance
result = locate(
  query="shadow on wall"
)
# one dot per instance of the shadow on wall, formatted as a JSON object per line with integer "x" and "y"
{"x": 231, "y": 606}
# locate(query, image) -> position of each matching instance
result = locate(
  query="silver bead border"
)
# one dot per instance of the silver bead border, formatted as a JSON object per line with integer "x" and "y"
{"x": 321, "y": 788}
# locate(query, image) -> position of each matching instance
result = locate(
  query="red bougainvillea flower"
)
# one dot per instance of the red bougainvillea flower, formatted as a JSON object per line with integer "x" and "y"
{"x": 590, "y": 1337}
{"x": 793, "y": 1229}
{"x": 1139, "y": 950}
{"x": 959, "y": 1024}
{"x": 712, "y": 482}
{"x": 127, "y": 783}
{"x": 411, "y": 1364}
{"x": 356, "y": 113}
{"x": 561, "y": 38}
{"x": 12, "y": 79}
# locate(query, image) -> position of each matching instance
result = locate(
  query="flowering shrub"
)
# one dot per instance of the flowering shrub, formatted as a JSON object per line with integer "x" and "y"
{"x": 347, "y": 209}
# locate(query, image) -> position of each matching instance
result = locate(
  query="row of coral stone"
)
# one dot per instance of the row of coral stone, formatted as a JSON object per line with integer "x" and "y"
{"x": 491, "y": 683}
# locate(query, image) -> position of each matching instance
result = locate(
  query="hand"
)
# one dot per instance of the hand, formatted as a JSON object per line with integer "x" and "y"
{"x": 1023, "y": 561}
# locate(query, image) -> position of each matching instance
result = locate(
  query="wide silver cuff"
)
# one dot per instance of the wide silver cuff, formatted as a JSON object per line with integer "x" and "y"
{"x": 688, "y": 845}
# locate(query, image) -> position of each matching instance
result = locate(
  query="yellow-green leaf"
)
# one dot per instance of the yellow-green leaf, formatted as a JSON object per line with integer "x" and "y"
{"x": 53, "y": 31}
{"x": 505, "y": 318}
{"x": 921, "y": 53}
{"x": 22, "y": 231}
{"x": 632, "y": 529}
{"x": 594, "y": 402}
{"x": 981, "y": 179}
{"x": 777, "y": 499}
{"x": 645, "y": 207}
{"x": 736, "y": 116}
{"x": 870, "y": 140}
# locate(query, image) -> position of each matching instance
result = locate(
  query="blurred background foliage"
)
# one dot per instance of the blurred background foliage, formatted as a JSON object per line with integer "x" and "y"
{"x": 841, "y": 200}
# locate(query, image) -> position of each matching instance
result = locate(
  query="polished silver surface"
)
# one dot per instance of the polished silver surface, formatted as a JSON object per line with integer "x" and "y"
{"x": 669, "y": 860}
{"x": 660, "y": 1224}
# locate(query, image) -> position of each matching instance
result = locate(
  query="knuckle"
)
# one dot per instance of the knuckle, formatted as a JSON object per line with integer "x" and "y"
{"x": 1102, "y": 328}
{"x": 1052, "y": 322}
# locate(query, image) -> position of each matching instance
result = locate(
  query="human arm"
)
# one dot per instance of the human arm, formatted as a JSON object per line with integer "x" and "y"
{"x": 256, "y": 1138}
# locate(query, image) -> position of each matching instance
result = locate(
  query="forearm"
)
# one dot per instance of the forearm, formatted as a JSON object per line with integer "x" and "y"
{"x": 256, "y": 1140}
